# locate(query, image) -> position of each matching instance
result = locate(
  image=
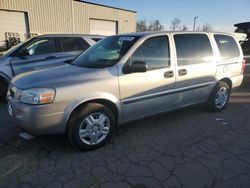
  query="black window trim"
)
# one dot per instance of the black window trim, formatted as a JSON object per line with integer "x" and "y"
{"x": 169, "y": 52}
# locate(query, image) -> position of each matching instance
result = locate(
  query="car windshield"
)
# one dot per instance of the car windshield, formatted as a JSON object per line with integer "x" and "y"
{"x": 106, "y": 53}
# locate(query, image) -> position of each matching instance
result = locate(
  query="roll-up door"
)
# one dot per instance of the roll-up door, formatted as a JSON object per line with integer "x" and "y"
{"x": 103, "y": 27}
{"x": 12, "y": 22}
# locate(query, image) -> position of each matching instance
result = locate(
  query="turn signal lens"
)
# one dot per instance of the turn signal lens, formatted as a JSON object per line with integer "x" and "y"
{"x": 47, "y": 98}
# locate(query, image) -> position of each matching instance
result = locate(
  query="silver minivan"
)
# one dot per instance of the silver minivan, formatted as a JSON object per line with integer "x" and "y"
{"x": 123, "y": 78}
{"x": 42, "y": 51}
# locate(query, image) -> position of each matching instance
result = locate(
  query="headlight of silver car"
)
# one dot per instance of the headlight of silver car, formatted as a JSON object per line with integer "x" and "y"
{"x": 37, "y": 96}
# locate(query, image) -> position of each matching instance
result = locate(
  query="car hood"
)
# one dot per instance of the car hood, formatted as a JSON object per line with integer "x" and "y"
{"x": 54, "y": 77}
{"x": 243, "y": 28}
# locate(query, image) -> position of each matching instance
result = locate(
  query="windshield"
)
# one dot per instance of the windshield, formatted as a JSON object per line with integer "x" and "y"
{"x": 106, "y": 53}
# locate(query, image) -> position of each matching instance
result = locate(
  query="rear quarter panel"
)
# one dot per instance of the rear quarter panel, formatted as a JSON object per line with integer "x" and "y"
{"x": 228, "y": 68}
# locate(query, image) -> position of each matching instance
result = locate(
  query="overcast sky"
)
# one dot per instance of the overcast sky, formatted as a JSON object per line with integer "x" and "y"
{"x": 221, "y": 14}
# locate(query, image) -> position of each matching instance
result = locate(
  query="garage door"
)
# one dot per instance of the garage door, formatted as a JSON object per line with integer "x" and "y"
{"x": 103, "y": 27}
{"x": 13, "y": 22}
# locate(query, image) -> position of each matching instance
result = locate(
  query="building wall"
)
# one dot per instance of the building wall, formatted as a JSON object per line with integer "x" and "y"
{"x": 68, "y": 16}
{"x": 44, "y": 16}
{"x": 84, "y": 11}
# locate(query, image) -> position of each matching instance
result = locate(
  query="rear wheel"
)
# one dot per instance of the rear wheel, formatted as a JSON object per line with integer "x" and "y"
{"x": 3, "y": 90}
{"x": 91, "y": 127}
{"x": 219, "y": 97}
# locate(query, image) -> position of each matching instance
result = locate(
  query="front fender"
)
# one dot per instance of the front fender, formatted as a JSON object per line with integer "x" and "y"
{"x": 91, "y": 97}
{"x": 5, "y": 77}
{"x": 6, "y": 69}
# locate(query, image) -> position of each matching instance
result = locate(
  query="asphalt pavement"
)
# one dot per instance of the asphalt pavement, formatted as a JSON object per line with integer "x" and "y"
{"x": 191, "y": 147}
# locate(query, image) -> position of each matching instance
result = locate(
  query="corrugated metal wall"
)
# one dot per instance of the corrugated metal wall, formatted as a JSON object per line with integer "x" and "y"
{"x": 83, "y": 12}
{"x": 68, "y": 16}
{"x": 44, "y": 16}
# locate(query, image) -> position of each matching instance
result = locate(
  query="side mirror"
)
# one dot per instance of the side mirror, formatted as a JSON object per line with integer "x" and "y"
{"x": 23, "y": 53}
{"x": 136, "y": 66}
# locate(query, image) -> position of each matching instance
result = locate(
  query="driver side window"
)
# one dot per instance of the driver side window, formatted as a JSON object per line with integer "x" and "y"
{"x": 154, "y": 52}
{"x": 41, "y": 46}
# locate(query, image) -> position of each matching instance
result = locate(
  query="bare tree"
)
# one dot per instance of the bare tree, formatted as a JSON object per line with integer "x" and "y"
{"x": 207, "y": 27}
{"x": 184, "y": 28}
{"x": 141, "y": 26}
{"x": 175, "y": 24}
{"x": 155, "y": 26}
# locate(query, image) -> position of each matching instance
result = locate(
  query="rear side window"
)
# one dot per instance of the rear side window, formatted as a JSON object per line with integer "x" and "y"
{"x": 154, "y": 52}
{"x": 227, "y": 46}
{"x": 73, "y": 44}
{"x": 192, "y": 48}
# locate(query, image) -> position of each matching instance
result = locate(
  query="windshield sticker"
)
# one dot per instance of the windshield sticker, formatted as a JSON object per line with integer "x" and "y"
{"x": 127, "y": 38}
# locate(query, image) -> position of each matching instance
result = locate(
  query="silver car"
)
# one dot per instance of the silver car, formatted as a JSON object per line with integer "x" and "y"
{"x": 39, "y": 52}
{"x": 123, "y": 78}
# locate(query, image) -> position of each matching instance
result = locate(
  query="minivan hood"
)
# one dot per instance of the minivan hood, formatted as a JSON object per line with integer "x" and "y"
{"x": 54, "y": 77}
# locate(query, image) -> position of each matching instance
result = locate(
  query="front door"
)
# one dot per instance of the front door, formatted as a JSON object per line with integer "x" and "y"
{"x": 144, "y": 94}
{"x": 38, "y": 53}
{"x": 196, "y": 68}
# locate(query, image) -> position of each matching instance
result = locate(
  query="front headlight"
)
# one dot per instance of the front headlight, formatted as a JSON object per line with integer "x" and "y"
{"x": 37, "y": 96}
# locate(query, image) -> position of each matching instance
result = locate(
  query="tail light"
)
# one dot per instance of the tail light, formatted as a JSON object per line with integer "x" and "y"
{"x": 243, "y": 66}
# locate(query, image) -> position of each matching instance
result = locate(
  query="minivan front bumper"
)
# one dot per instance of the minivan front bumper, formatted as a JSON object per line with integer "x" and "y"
{"x": 37, "y": 119}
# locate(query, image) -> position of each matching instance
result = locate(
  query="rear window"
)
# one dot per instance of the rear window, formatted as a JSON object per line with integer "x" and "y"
{"x": 227, "y": 46}
{"x": 73, "y": 44}
{"x": 192, "y": 48}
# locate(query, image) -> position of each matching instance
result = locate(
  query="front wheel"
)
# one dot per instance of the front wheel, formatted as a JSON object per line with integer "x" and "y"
{"x": 219, "y": 97}
{"x": 91, "y": 127}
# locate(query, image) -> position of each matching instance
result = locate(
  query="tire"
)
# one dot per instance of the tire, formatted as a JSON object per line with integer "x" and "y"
{"x": 97, "y": 124}
{"x": 219, "y": 97}
{"x": 3, "y": 90}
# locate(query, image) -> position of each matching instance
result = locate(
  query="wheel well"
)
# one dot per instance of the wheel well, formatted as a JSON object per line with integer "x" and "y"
{"x": 104, "y": 102}
{"x": 2, "y": 79}
{"x": 108, "y": 104}
{"x": 228, "y": 81}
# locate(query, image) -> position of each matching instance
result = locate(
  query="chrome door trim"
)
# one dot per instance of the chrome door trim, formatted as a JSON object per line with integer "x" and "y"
{"x": 160, "y": 94}
{"x": 227, "y": 63}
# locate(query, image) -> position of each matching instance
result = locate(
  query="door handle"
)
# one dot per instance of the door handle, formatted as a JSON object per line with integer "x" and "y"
{"x": 182, "y": 72}
{"x": 51, "y": 57}
{"x": 169, "y": 74}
